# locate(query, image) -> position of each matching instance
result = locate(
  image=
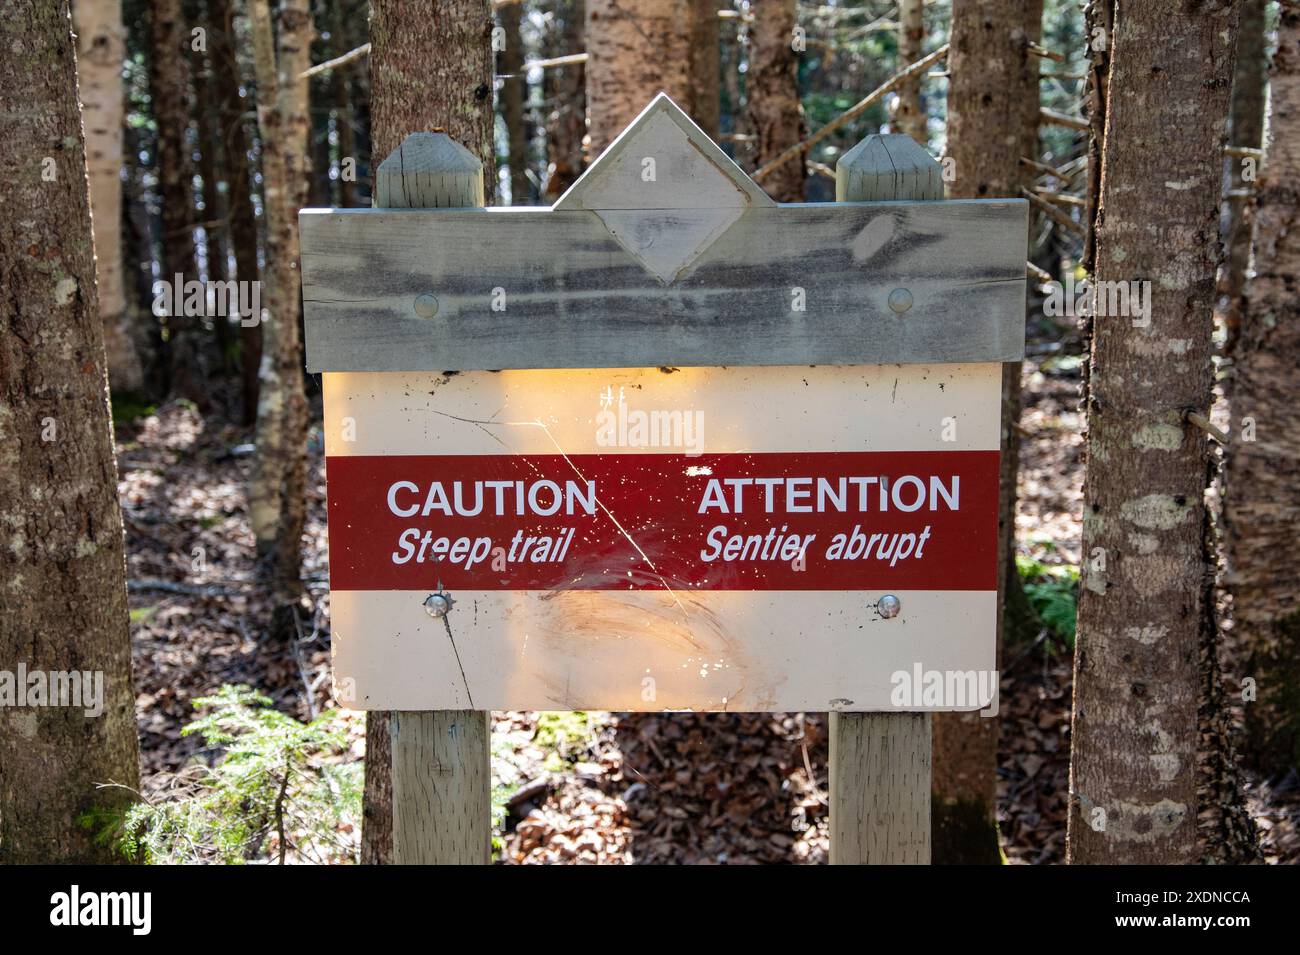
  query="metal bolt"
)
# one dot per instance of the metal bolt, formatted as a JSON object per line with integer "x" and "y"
{"x": 889, "y": 606}
{"x": 900, "y": 300}
{"x": 438, "y": 605}
{"x": 426, "y": 305}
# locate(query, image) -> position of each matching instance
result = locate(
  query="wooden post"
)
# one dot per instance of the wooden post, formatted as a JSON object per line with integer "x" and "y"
{"x": 441, "y": 760}
{"x": 880, "y": 762}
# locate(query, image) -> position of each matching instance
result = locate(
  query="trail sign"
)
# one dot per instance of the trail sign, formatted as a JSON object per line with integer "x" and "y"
{"x": 664, "y": 445}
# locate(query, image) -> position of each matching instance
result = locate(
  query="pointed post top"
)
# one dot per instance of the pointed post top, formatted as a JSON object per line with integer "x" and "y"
{"x": 427, "y": 171}
{"x": 886, "y": 167}
{"x": 662, "y": 160}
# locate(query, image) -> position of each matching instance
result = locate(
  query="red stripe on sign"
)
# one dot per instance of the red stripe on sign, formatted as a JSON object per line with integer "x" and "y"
{"x": 907, "y": 520}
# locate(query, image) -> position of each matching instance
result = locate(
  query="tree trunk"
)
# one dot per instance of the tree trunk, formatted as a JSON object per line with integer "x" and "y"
{"x": 1262, "y": 500}
{"x": 1245, "y": 129}
{"x": 1099, "y": 28}
{"x": 634, "y": 52}
{"x": 360, "y": 97}
{"x": 1142, "y": 599}
{"x": 138, "y": 253}
{"x": 909, "y": 109}
{"x": 417, "y": 87}
{"x": 705, "y": 105}
{"x": 991, "y": 77}
{"x": 773, "y": 107}
{"x": 211, "y": 165}
{"x": 242, "y": 220}
{"x": 344, "y": 120}
{"x": 62, "y": 566}
{"x": 565, "y": 89}
{"x": 169, "y": 88}
{"x": 514, "y": 91}
{"x": 101, "y": 44}
{"x": 277, "y": 493}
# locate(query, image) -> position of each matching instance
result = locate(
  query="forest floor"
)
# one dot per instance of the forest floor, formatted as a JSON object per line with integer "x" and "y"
{"x": 587, "y": 787}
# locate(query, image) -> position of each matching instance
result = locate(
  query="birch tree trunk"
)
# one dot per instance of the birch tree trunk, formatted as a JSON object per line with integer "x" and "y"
{"x": 991, "y": 78}
{"x": 1142, "y": 600}
{"x": 634, "y": 51}
{"x": 416, "y": 86}
{"x": 101, "y": 44}
{"x": 772, "y": 84}
{"x": 909, "y": 109}
{"x": 1262, "y": 501}
{"x": 277, "y": 495}
{"x": 62, "y": 567}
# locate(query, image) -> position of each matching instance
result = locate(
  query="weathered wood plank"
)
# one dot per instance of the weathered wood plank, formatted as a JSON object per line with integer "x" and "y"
{"x": 569, "y": 295}
{"x": 442, "y": 787}
{"x": 880, "y": 788}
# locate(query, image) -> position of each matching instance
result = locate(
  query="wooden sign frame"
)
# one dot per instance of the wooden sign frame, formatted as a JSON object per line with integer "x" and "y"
{"x": 681, "y": 261}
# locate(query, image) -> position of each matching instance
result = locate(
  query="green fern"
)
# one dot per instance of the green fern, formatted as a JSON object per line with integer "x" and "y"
{"x": 1053, "y": 592}
{"x": 277, "y": 786}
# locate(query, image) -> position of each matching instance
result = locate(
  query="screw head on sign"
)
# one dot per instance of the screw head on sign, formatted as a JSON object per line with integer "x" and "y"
{"x": 426, "y": 305}
{"x": 438, "y": 605}
{"x": 889, "y": 606}
{"x": 900, "y": 300}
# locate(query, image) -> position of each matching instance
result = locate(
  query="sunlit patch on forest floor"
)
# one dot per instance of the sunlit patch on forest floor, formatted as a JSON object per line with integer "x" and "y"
{"x": 594, "y": 787}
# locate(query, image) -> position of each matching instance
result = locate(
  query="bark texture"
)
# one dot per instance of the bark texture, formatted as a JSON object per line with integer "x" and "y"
{"x": 909, "y": 108}
{"x": 772, "y": 84}
{"x": 635, "y": 51}
{"x": 705, "y": 105}
{"x": 1099, "y": 25}
{"x": 514, "y": 91}
{"x": 169, "y": 87}
{"x": 241, "y": 230}
{"x": 417, "y": 87}
{"x": 431, "y": 69}
{"x": 1226, "y": 833}
{"x": 565, "y": 89}
{"x": 1262, "y": 500}
{"x": 991, "y": 77}
{"x": 211, "y": 169}
{"x": 101, "y": 44}
{"x": 1142, "y": 596}
{"x": 63, "y": 565}
{"x": 277, "y": 493}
